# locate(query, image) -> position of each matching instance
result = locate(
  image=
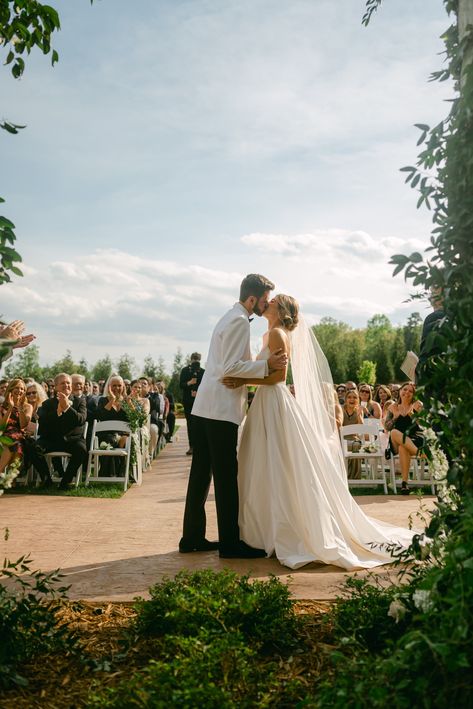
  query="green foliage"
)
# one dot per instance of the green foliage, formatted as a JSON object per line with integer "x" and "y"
{"x": 220, "y": 603}
{"x": 173, "y": 385}
{"x": 24, "y": 25}
{"x": 26, "y": 364}
{"x": 421, "y": 655}
{"x": 28, "y": 624}
{"x": 126, "y": 366}
{"x": 100, "y": 490}
{"x": 380, "y": 342}
{"x": 443, "y": 177}
{"x": 211, "y": 634}
{"x": 102, "y": 369}
{"x": 367, "y": 372}
{"x": 155, "y": 370}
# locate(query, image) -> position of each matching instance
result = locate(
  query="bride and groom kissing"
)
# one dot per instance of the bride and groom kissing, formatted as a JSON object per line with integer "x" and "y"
{"x": 285, "y": 492}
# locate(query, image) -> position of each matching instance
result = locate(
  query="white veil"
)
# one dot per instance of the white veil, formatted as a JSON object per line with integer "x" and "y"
{"x": 314, "y": 389}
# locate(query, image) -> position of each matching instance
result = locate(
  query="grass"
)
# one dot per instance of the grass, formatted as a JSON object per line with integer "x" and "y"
{"x": 103, "y": 490}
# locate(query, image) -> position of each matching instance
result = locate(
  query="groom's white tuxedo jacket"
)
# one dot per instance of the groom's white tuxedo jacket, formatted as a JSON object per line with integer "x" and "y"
{"x": 229, "y": 355}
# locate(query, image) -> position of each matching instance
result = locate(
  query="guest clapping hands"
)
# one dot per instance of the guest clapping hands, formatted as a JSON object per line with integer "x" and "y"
{"x": 15, "y": 415}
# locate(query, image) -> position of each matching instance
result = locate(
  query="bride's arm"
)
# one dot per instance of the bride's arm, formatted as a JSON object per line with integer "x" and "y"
{"x": 277, "y": 340}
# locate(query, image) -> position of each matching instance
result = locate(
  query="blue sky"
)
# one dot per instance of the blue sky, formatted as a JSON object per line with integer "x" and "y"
{"x": 178, "y": 145}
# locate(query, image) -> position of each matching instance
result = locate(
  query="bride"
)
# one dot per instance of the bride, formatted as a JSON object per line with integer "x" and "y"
{"x": 294, "y": 496}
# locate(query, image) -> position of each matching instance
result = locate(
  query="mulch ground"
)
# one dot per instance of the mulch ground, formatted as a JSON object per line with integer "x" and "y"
{"x": 58, "y": 682}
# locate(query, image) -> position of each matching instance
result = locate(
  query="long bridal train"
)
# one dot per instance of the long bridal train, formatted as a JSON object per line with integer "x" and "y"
{"x": 294, "y": 495}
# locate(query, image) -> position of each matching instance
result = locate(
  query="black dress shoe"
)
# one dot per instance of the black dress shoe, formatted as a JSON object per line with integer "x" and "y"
{"x": 241, "y": 551}
{"x": 203, "y": 545}
{"x": 189, "y": 452}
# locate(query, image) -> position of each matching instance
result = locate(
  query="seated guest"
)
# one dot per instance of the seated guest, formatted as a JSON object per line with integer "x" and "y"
{"x": 87, "y": 387}
{"x": 341, "y": 391}
{"x": 35, "y": 395}
{"x": 15, "y": 415}
{"x": 170, "y": 413}
{"x": 95, "y": 389}
{"x": 154, "y": 412}
{"x": 384, "y": 399}
{"x": 349, "y": 386}
{"x": 3, "y": 388}
{"x": 352, "y": 414}
{"x": 406, "y": 437}
{"x": 78, "y": 383}
{"x": 61, "y": 428}
{"x": 394, "y": 389}
{"x": 51, "y": 392}
{"x": 109, "y": 408}
{"x": 136, "y": 399}
{"x": 371, "y": 409}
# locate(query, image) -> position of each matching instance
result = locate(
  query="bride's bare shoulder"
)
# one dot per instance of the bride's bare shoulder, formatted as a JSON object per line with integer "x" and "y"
{"x": 277, "y": 338}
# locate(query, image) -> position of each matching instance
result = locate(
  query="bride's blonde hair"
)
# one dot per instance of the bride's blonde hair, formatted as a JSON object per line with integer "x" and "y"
{"x": 288, "y": 311}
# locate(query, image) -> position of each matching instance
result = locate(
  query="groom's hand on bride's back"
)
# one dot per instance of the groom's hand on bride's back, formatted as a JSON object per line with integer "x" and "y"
{"x": 278, "y": 360}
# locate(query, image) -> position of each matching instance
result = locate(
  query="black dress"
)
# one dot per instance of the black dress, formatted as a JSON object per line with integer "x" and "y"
{"x": 410, "y": 428}
{"x": 113, "y": 466}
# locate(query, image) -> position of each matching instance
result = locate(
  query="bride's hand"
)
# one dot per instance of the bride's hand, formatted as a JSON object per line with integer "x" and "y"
{"x": 232, "y": 382}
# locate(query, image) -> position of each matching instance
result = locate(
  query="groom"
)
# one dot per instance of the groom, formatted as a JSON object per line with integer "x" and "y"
{"x": 217, "y": 413}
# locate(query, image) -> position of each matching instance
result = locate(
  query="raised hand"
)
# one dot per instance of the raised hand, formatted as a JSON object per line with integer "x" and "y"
{"x": 24, "y": 341}
{"x": 278, "y": 360}
{"x": 63, "y": 402}
{"x": 13, "y": 330}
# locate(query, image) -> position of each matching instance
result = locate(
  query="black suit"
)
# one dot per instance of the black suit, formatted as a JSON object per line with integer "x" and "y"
{"x": 192, "y": 371}
{"x": 62, "y": 433}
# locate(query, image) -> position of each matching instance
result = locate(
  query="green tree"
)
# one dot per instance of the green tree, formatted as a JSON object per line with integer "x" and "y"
{"x": 355, "y": 346}
{"x": 155, "y": 370}
{"x": 412, "y": 331}
{"x": 102, "y": 369}
{"x": 24, "y": 26}
{"x": 173, "y": 385}
{"x": 367, "y": 372}
{"x": 26, "y": 364}
{"x": 83, "y": 368}
{"x": 332, "y": 337}
{"x": 65, "y": 364}
{"x": 126, "y": 366}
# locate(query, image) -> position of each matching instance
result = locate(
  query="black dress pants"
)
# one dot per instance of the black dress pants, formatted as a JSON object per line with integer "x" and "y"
{"x": 76, "y": 447}
{"x": 190, "y": 422}
{"x": 215, "y": 453}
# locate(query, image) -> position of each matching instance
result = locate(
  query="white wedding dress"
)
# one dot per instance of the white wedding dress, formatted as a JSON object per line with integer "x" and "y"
{"x": 294, "y": 496}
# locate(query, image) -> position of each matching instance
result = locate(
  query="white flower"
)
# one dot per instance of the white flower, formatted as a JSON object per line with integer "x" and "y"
{"x": 104, "y": 446}
{"x": 422, "y": 600}
{"x": 397, "y": 610}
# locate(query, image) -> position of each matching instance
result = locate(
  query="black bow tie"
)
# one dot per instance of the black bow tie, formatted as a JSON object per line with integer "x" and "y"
{"x": 250, "y": 319}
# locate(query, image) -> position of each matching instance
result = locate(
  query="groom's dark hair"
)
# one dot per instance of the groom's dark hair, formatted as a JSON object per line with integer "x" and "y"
{"x": 254, "y": 284}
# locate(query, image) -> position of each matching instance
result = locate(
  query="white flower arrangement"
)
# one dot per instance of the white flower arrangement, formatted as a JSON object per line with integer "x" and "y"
{"x": 9, "y": 475}
{"x": 397, "y": 610}
{"x": 438, "y": 464}
{"x": 104, "y": 446}
{"x": 370, "y": 448}
{"x": 423, "y": 601}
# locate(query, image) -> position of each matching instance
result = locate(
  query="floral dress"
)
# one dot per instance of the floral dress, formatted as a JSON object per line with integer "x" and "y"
{"x": 14, "y": 431}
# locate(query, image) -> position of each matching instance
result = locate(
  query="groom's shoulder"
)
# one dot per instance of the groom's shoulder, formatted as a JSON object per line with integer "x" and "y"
{"x": 235, "y": 314}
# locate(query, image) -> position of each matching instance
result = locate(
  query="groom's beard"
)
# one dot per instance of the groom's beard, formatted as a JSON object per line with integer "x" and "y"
{"x": 259, "y": 311}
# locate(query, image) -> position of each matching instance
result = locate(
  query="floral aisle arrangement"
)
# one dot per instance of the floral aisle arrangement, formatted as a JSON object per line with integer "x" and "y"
{"x": 136, "y": 418}
{"x": 13, "y": 469}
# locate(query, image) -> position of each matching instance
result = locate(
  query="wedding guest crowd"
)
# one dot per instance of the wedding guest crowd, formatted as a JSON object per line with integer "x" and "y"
{"x": 53, "y": 417}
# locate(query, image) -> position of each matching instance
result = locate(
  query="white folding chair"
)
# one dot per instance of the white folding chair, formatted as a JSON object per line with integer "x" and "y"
{"x": 419, "y": 473}
{"x": 373, "y": 463}
{"x": 65, "y": 458}
{"x": 96, "y": 453}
